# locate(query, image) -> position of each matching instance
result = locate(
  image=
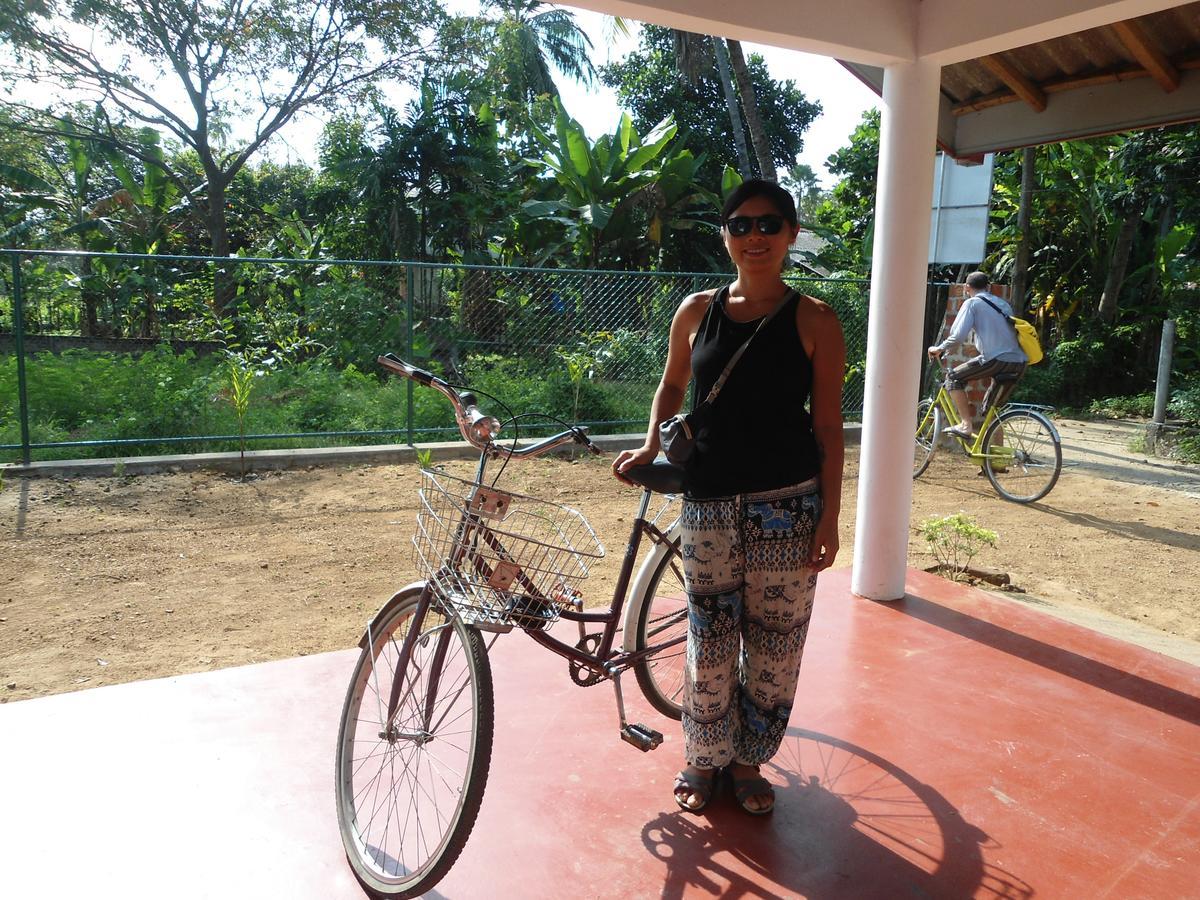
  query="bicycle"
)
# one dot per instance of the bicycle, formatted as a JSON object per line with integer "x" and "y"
{"x": 1017, "y": 445}
{"x": 415, "y": 735}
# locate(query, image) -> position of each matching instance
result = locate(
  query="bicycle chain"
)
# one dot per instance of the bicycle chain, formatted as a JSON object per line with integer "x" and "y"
{"x": 582, "y": 675}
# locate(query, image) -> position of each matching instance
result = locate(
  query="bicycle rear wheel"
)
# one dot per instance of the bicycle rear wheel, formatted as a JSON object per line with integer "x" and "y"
{"x": 929, "y": 429}
{"x": 408, "y": 791}
{"x": 663, "y": 618}
{"x": 1022, "y": 455}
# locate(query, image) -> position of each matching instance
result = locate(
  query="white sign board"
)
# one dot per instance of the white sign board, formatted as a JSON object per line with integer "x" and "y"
{"x": 961, "y": 198}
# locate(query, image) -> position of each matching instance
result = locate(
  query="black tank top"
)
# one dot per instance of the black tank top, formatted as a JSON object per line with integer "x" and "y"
{"x": 760, "y": 437}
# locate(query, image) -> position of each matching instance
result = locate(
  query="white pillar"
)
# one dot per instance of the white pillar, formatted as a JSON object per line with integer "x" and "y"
{"x": 899, "y": 268}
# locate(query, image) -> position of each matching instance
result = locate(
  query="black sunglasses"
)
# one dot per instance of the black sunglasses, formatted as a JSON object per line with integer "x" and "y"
{"x": 740, "y": 226}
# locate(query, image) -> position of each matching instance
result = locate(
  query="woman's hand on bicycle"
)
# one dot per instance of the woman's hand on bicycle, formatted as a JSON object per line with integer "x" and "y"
{"x": 628, "y": 458}
{"x": 935, "y": 352}
{"x": 825, "y": 544}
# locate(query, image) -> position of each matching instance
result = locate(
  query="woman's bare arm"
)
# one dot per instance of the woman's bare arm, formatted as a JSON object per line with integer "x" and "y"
{"x": 828, "y": 357}
{"x": 672, "y": 388}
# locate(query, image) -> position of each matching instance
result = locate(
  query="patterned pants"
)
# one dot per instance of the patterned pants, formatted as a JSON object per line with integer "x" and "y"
{"x": 750, "y": 596}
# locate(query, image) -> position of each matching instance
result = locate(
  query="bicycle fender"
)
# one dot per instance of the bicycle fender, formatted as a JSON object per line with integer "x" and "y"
{"x": 409, "y": 590}
{"x": 641, "y": 583}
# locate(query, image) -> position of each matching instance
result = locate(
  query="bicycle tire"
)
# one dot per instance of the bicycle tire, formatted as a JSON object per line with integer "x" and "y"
{"x": 662, "y": 615}
{"x": 388, "y": 775}
{"x": 929, "y": 430}
{"x": 1026, "y": 466}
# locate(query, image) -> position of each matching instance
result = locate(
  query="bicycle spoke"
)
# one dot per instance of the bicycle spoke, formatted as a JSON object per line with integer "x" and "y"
{"x": 1023, "y": 455}
{"x": 407, "y": 799}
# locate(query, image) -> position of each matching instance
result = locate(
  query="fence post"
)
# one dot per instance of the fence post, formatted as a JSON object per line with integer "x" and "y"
{"x": 19, "y": 347}
{"x": 410, "y": 286}
{"x": 1162, "y": 387}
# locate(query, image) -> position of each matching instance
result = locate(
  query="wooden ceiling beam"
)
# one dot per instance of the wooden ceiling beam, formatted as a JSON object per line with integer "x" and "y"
{"x": 1146, "y": 52}
{"x": 1127, "y": 73}
{"x": 1015, "y": 81}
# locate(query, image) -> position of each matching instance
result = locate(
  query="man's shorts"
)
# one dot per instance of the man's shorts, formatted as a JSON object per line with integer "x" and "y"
{"x": 1004, "y": 374}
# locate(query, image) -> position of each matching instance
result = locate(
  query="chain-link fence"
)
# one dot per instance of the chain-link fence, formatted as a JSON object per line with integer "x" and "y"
{"x": 133, "y": 354}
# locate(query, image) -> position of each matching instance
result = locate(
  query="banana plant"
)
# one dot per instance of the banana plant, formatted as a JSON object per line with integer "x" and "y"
{"x": 601, "y": 186}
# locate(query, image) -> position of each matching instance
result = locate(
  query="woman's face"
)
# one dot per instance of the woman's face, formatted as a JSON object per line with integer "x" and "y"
{"x": 755, "y": 251}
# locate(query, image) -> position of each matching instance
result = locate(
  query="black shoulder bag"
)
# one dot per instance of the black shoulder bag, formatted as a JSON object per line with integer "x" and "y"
{"x": 677, "y": 435}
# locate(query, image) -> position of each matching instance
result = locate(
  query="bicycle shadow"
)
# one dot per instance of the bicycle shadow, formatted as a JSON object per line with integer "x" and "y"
{"x": 847, "y": 823}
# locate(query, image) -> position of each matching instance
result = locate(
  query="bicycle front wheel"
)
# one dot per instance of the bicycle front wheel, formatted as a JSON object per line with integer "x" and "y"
{"x": 929, "y": 429}
{"x": 409, "y": 787}
{"x": 662, "y": 619}
{"x": 1022, "y": 455}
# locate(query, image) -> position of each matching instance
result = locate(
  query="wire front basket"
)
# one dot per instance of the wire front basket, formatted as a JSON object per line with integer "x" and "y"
{"x": 500, "y": 559}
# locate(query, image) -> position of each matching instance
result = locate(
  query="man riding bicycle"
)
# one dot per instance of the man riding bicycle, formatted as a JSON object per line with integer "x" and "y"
{"x": 1000, "y": 356}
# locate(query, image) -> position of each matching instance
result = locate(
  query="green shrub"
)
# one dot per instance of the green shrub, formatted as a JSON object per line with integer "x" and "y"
{"x": 1137, "y": 406}
{"x": 1185, "y": 401}
{"x": 955, "y": 540}
{"x": 355, "y": 322}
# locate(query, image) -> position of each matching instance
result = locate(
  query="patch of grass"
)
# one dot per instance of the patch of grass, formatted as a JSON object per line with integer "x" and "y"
{"x": 91, "y": 396}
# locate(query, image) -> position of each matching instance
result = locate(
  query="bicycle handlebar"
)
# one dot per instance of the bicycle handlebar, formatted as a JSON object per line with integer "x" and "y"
{"x": 477, "y": 428}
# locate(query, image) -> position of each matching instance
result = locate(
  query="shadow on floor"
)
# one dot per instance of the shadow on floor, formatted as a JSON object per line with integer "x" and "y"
{"x": 846, "y": 823}
{"x": 1100, "y": 675}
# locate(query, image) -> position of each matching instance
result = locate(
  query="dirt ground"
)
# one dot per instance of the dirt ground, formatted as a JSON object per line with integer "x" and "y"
{"x": 117, "y": 579}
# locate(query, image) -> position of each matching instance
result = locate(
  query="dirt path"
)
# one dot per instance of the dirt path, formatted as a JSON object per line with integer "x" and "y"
{"x": 118, "y": 579}
{"x": 1103, "y": 449}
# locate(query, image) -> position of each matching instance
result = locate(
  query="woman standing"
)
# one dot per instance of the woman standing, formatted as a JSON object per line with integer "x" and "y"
{"x": 760, "y": 517}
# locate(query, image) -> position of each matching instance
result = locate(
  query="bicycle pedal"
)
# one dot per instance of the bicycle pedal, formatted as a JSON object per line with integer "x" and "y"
{"x": 641, "y": 736}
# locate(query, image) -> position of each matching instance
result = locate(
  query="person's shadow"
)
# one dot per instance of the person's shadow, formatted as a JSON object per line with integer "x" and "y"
{"x": 846, "y": 824}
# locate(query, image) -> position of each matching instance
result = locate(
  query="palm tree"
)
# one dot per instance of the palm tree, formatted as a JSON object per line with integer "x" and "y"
{"x": 695, "y": 54}
{"x": 758, "y": 134}
{"x": 530, "y": 35}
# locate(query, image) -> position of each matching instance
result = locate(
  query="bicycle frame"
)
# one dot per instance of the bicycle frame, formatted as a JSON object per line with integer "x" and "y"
{"x": 604, "y": 661}
{"x": 943, "y": 401}
{"x": 974, "y": 449}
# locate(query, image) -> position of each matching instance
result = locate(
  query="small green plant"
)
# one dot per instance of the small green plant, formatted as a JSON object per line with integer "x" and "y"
{"x": 584, "y": 362}
{"x": 954, "y": 541}
{"x": 119, "y": 468}
{"x": 424, "y": 458}
{"x": 241, "y": 384}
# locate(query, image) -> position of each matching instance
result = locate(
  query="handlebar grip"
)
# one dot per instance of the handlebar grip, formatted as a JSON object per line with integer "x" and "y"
{"x": 581, "y": 437}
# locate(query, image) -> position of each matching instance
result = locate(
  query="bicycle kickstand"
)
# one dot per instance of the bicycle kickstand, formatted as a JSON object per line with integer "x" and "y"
{"x": 641, "y": 736}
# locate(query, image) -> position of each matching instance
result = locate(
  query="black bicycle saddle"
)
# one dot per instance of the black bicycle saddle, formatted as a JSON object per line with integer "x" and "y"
{"x": 660, "y": 476}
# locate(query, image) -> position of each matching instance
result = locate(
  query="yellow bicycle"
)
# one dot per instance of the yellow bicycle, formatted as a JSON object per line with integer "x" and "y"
{"x": 1017, "y": 446}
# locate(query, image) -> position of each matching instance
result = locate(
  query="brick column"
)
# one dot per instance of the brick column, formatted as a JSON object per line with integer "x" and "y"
{"x": 976, "y": 390}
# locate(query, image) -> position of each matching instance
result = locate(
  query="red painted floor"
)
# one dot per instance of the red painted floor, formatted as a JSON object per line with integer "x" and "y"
{"x": 950, "y": 745}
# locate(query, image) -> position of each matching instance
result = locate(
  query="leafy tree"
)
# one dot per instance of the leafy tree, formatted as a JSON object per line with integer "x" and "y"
{"x": 233, "y": 61}
{"x": 650, "y": 85}
{"x": 847, "y": 218}
{"x": 802, "y": 181}
{"x": 429, "y": 182}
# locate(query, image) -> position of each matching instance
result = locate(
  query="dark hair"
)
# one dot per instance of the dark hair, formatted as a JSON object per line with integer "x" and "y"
{"x": 979, "y": 281}
{"x": 756, "y": 187}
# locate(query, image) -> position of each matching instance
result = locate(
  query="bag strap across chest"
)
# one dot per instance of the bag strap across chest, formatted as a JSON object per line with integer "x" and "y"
{"x": 733, "y": 360}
